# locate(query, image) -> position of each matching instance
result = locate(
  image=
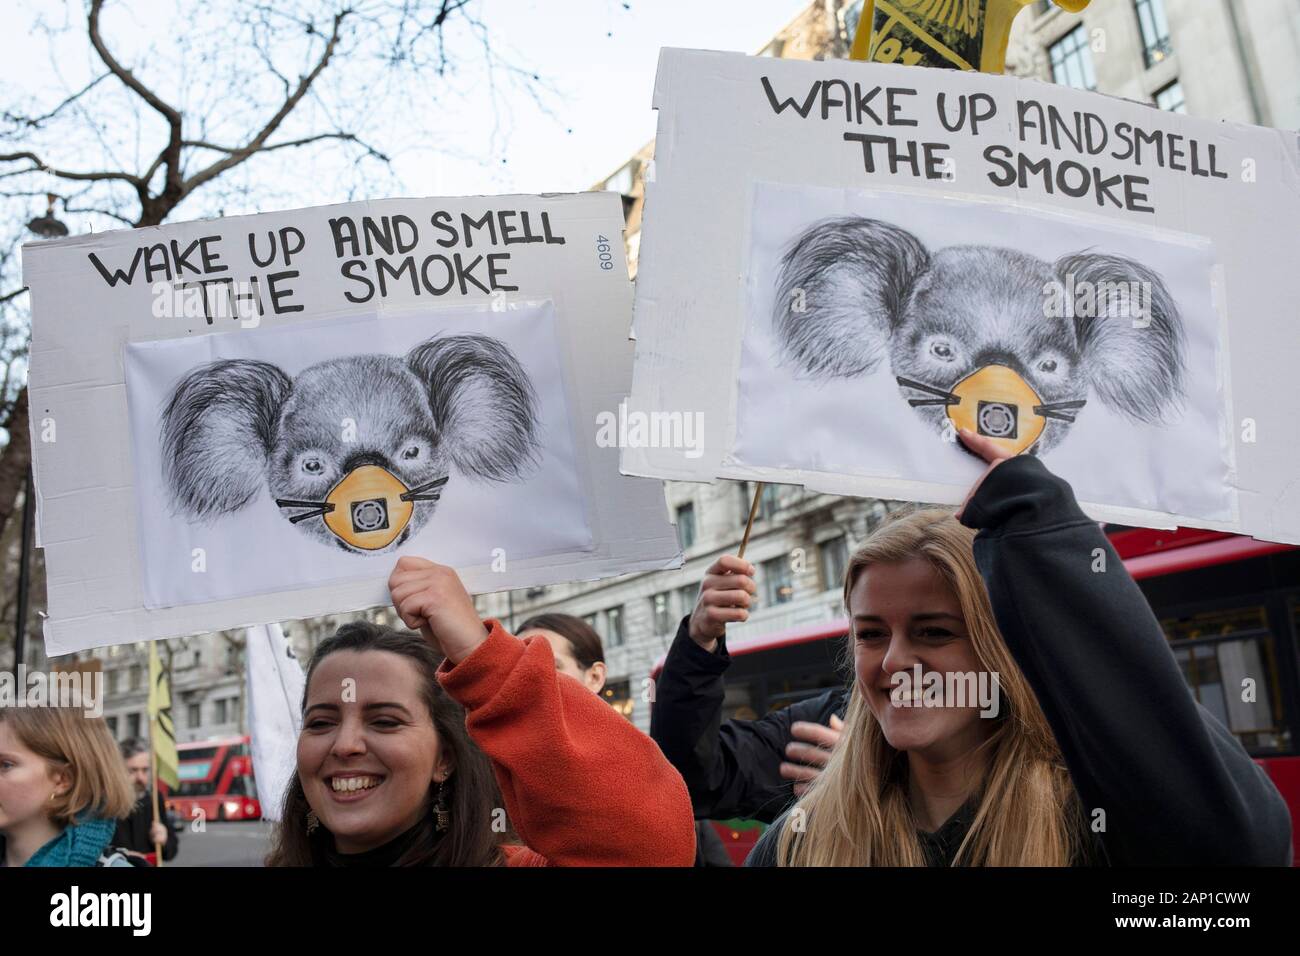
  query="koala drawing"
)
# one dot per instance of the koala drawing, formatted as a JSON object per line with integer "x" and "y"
{"x": 852, "y": 290}
{"x": 355, "y": 450}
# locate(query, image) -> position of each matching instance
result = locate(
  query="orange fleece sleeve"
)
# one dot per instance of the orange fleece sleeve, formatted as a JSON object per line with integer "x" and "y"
{"x": 582, "y": 786}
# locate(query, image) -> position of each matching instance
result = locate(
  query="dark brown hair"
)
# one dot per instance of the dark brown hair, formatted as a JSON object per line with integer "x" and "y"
{"x": 471, "y": 790}
{"x": 582, "y": 637}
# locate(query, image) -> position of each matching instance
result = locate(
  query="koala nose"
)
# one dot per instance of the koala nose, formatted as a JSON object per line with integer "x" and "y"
{"x": 361, "y": 458}
{"x": 999, "y": 356}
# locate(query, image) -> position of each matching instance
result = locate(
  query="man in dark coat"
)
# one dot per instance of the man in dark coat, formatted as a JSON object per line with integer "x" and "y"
{"x": 138, "y": 831}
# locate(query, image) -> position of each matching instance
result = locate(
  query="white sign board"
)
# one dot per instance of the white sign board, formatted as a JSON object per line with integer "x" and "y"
{"x": 248, "y": 420}
{"x": 843, "y": 263}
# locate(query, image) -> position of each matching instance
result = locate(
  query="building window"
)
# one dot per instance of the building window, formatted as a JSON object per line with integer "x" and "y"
{"x": 686, "y": 526}
{"x": 1218, "y": 650}
{"x": 614, "y": 635}
{"x": 137, "y": 677}
{"x": 662, "y": 611}
{"x": 852, "y": 17}
{"x": 1155, "y": 30}
{"x": 593, "y": 621}
{"x": 834, "y": 556}
{"x": 193, "y": 715}
{"x": 686, "y": 596}
{"x": 112, "y": 726}
{"x": 219, "y": 708}
{"x": 114, "y": 679}
{"x": 777, "y": 585}
{"x": 133, "y": 725}
{"x": 618, "y": 694}
{"x": 767, "y": 502}
{"x": 1171, "y": 98}
{"x": 1072, "y": 61}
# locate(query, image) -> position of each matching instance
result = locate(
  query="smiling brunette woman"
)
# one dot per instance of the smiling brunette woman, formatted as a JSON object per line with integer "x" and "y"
{"x": 422, "y": 749}
{"x": 1096, "y": 753}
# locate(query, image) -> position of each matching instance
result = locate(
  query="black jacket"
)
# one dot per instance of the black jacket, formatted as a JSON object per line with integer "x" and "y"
{"x": 133, "y": 830}
{"x": 1176, "y": 786}
{"x": 731, "y": 768}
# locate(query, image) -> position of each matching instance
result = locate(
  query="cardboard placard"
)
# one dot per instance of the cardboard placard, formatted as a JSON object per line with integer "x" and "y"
{"x": 248, "y": 420}
{"x": 842, "y": 263}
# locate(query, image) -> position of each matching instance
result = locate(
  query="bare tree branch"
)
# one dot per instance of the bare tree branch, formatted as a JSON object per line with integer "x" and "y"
{"x": 34, "y": 122}
{"x": 259, "y": 140}
{"x": 40, "y": 166}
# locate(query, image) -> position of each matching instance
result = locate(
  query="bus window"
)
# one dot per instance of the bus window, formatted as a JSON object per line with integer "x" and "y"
{"x": 738, "y": 701}
{"x": 1227, "y": 658}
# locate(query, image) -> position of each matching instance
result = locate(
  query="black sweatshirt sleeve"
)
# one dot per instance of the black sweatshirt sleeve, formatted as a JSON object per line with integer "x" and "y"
{"x": 1176, "y": 786}
{"x": 731, "y": 768}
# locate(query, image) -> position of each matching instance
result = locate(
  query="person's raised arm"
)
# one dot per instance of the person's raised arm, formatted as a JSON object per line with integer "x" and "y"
{"x": 737, "y": 768}
{"x": 1161, "y": 780}
{"x": 582, "y": 786}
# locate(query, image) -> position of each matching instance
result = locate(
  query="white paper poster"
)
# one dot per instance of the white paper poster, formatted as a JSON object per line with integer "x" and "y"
{"x": 248, "y": 420}
{"x": 842, "y": 263}
{"x": 821, "y": 386}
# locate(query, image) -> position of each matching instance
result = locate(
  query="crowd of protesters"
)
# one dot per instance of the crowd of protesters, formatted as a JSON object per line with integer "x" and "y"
{"x": 457, "y": 743}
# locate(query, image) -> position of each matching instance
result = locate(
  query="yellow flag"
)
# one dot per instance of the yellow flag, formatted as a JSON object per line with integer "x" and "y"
{"x": 961, "y": 34}
{"x": 162, "y": 732}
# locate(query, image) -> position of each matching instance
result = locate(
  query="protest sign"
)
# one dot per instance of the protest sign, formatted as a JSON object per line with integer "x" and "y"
{"x": 247, "y": 420}
{"x": 844, "y": 263}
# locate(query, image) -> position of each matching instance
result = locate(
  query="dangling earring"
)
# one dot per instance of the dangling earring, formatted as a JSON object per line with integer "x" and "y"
{"x": 440, "y": 815}
{"x": 313, "y": 822}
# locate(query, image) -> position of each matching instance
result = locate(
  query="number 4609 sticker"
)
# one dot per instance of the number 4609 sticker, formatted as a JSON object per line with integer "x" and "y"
{"x": 603, "y": 252}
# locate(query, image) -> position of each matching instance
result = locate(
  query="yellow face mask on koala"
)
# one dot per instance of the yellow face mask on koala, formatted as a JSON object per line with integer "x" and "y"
{"x": 368, "y": 508}
{"x": 994, "y": 401}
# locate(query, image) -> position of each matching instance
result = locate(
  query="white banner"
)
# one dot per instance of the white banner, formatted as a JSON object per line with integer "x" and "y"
{"x": 843, "y": 263}
{"x": 275, "y": 690}
{"x": 247, "y": 420}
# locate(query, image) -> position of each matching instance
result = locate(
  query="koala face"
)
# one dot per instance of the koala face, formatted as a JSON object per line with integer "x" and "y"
{"x": 978, "y": 306}
{"x": 393, "y": 428}
{"x": 344, "y": 413}
{"x": 872, "y": 290}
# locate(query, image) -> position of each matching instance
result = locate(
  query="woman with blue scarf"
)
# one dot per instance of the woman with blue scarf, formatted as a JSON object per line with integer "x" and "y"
{"x": 62, "y": 789}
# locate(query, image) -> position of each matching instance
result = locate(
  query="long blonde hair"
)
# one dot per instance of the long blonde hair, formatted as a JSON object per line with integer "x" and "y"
{"x": 858, "y": 812}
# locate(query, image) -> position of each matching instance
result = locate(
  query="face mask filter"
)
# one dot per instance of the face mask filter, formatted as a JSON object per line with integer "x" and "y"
{"x": 368, "y": 508}
{"x": 994, "y": 401}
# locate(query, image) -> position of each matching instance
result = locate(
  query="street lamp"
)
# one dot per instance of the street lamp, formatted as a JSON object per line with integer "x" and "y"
{"x": 48, "y": 226}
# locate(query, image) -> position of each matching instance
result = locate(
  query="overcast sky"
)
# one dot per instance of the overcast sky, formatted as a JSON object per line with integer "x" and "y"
{"x": 599, "y": 55}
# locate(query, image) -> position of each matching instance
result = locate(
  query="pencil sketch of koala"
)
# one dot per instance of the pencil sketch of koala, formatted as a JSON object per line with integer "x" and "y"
{"x": 853, "y": 291}
{"x": 231, "y": 428}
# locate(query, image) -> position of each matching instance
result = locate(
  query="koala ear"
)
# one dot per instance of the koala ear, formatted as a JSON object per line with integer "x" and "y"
{"x": 483, "y": 404}
{"x": 218, "y": 430}
{"x": 841, "y": 290}
{"x": 1132, "y": 341}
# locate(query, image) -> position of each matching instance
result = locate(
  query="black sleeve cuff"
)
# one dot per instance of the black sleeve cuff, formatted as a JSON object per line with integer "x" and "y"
{"x": 685, "y": 651}
{"x": 1021, "y": 495}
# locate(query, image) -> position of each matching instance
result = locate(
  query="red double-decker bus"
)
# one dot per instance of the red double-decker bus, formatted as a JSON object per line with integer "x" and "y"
{"x": 1229, "y": 605}
{"x": 216, "y": 781}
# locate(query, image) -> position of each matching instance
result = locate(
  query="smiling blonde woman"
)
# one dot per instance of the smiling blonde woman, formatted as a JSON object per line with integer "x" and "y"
{"x": 1097, "y": 754}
